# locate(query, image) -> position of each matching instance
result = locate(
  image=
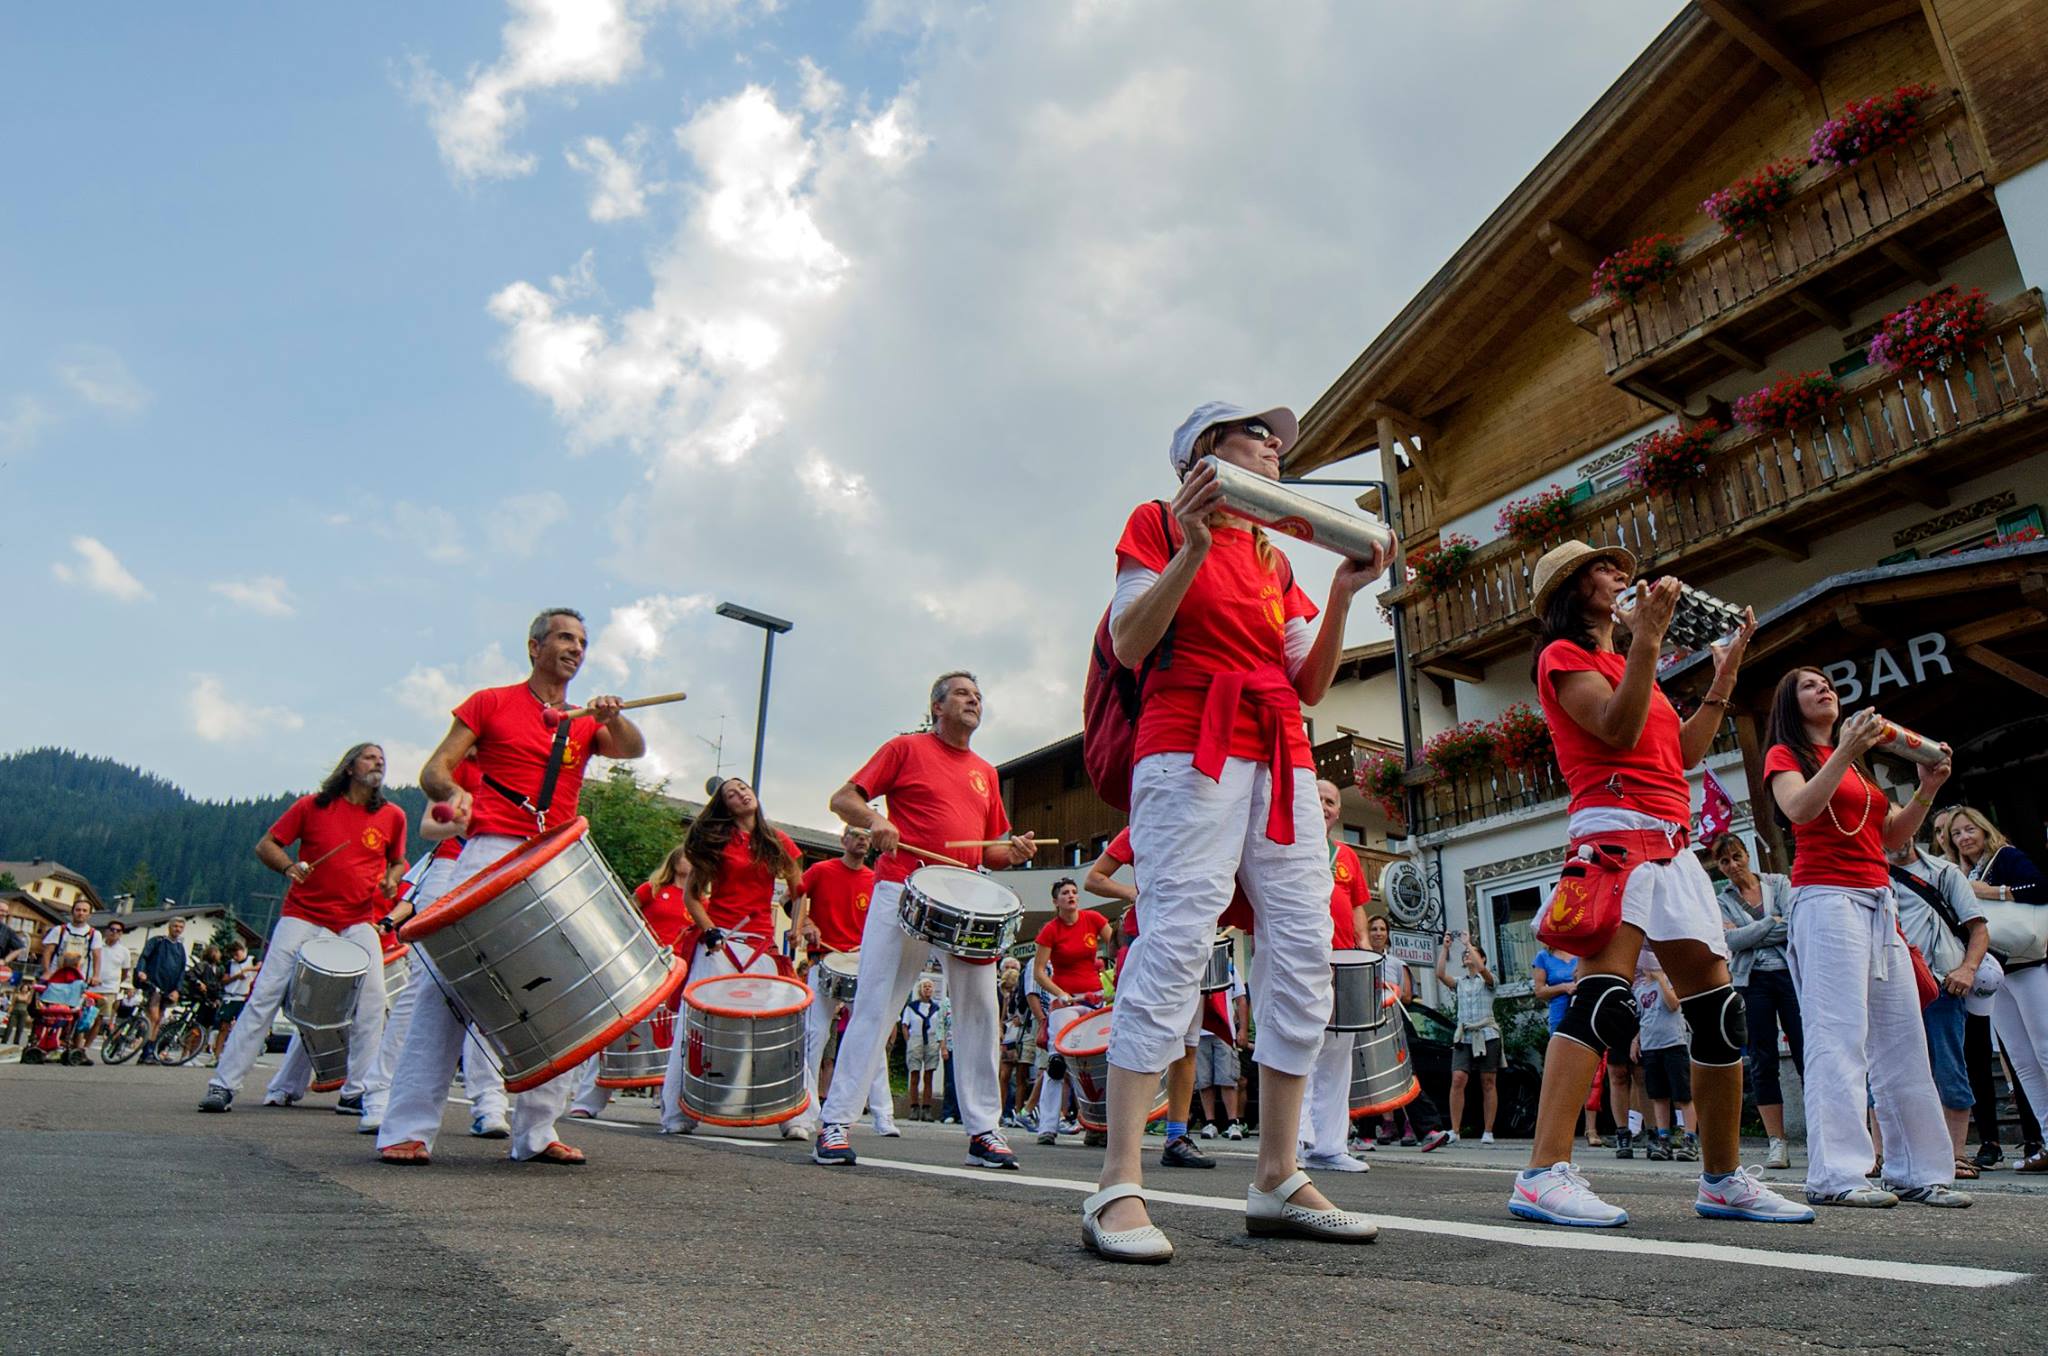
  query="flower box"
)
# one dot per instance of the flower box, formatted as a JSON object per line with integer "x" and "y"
{"x": 1523, "y": 740}
{"x": 1435, "y": 568}
{"x": 1464, "y": 748}
{"x": 1868, "y": 126}
{"x": 1743, "y": 205}
{"x": 1381, "y": 776}
{"x": 1939, "y": 329}
{"x": 1676, "y": 457}
{"x": 1788, "y": 402}
{"x": 1539, "y": 517}
{"x": 1643, "y": 266}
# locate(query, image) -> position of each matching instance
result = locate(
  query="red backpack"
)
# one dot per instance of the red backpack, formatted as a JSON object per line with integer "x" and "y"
{"x": 1112, "y": 696}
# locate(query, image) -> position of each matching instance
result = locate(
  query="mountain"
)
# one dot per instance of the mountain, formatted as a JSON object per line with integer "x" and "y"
{"x": 112, "y": 823}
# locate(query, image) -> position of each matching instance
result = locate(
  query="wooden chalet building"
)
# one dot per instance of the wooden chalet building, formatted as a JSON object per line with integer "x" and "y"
{"x": 1894, "y": 538}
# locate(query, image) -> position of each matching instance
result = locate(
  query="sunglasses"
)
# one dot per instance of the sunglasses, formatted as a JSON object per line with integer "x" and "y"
{"x": 1255, "y": 429}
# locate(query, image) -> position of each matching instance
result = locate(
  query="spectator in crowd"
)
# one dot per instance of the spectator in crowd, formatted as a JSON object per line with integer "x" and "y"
{"x": 923, "y": 1041}
{"x": 1420, "y": 1119}
{"x": 71, "y": 953}
{"x": 1622, "y": 1072}
{"x": 237, "y": 982}
{"x": 205, "y": 979}
{"x": 159, "y": 974}
{"x": 1218, "y": 1070}
{"x": 1476, "y": 1044}
{"x": 1009, "y": 1011}
{"x": 1754, "y": 907}
{"x": 116, "y": 958}
{"x": 13, "y": 953}
{"x": 19, "y": 1011}
{"x": 1662, "y": 1050}
{"x": 1553, "y": 979}
{"x": 1941, "y": 919}
{"x": 1024, "y": 1012}
{"x": 949, "y": 1100}
{"x": 2000, "y": 872}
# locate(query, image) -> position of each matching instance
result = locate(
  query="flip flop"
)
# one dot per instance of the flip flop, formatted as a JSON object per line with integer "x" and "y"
{"x": 560, "y": 1155}
{"x": 1965, "y": 1171}
{"x": 411, "y": 1153}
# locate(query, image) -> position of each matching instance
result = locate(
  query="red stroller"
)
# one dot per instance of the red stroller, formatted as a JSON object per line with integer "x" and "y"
{"x": 60, "y": 1006}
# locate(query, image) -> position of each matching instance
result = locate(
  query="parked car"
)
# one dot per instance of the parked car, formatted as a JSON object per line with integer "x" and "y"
{"x": 1520, "y": 1083}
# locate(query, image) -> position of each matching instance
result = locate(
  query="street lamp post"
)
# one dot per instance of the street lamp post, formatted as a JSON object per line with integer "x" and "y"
{"x": 770, "y": 628}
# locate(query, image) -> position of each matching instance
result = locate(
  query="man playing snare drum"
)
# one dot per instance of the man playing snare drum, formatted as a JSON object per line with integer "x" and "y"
{"x": 939, "y": 792}
{"x": 829, "y": 918}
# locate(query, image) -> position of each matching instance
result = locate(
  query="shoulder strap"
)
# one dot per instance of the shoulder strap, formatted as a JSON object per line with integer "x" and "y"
{"x": 1162, "y": 653}
{"x": 537, "y": 806}
{"x": 1935, "y": 900}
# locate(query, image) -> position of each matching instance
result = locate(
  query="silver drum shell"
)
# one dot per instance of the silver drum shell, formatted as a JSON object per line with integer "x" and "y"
{"x": 1356, "y": 997}
{"x": 1088, "y": 1075}
{"x": 322, "y": 1005}
{"x": 957, "y": 931}
{"x": 833, "y": 986}
{"x": 1382, "y": 1076}
{"x": 1216, "y": 970}
{"x": 639, "y": 1059}
{"x": 743, "y": 1070}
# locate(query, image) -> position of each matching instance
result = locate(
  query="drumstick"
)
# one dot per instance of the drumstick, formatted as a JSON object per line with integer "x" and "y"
{"x": 939, "y": 857}
{"x": 999, "y": 842}
{"x": 551, "y": 717}
{"x": 325, "y": 855}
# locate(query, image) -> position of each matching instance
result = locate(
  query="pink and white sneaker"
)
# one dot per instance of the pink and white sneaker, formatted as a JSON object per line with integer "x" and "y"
{"x": 1559, "y": 1194}
{"x": 1743, "y": 1195}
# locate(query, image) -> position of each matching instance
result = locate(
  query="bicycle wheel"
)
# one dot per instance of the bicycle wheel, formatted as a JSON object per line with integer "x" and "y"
{"x": 180, "y": 1042}
{"x": 124, "y": 1041}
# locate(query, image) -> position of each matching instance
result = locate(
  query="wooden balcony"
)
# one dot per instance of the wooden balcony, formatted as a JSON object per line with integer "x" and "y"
{"x": 1847, "y": 236}
{"x": 1448, "y": 802}
{"x": 1773, "y": 492}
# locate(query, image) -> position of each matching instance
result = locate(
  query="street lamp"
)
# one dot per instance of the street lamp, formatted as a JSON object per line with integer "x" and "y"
{"x": 770, "y": 628}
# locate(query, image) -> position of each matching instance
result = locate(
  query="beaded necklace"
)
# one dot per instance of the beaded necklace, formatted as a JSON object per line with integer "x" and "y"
{"x": 1865, "y": 783}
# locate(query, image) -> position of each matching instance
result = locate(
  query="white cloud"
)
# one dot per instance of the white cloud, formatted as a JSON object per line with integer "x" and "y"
{"x": 821, "y": 93}
{"x": 100, "y": 570}
{"x": 428, "y": 529}
{"x": 23, "y": 424}
{"x": 616, "y": 190}
{"x": 219, "y": 719}
{"x": 265, "y": 595}
{"x": 518, "y": 525}
{"x": 100, "y": 377}
{"x": 639, "y": 632}
{"x": 430, "y": 692}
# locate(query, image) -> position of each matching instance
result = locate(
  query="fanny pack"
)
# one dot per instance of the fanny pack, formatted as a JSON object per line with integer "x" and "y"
{"x": 1585, "y": 909}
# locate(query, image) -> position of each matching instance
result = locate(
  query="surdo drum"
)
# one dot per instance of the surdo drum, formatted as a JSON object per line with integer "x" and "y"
{"x": 961, "y": 912}
{"x": 544, "y": 954}
{"x": 1084, "y": 1043}
{"x": 321, "y": 1003}
{"x": 639, "y": 1059}
{"x": 397, "y": 968}
{"x": 1357, "y": 994}
{"x": 1216, "y": 970}
{"x": 835, "y": 978}
{"x": 1382, "y": 1075}
{"x": 743, "y": 1049}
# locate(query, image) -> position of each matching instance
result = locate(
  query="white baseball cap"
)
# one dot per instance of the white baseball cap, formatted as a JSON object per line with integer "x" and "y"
{"x": 1206, "y": 416}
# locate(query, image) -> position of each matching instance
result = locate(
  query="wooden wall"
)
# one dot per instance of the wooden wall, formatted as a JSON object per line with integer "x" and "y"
{"x": 1997, "y": 50}
{"x": 1053, "y": 798}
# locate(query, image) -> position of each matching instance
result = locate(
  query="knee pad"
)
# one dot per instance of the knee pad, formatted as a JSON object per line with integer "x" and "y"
{"x": 1720, "y": 1026}
{"x": 1602, "y": 1015}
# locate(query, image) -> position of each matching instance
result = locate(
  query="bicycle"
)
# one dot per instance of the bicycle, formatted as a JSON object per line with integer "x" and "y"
{"x": 127, "y": 1036}
{"x": 182, "y": 1038}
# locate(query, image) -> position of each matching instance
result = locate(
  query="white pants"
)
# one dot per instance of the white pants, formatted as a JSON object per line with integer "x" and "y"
{"x": 1052, "y": 1097}
{"x": 1328, "y": 1103}
{"x": 2020, "y": 1016}
{"x": 889, "y": 960}
{"x": 482, "y": 1081}
{"x": 1864, "y": 1039}
{"x": 1193, "y": 839}
{"x": 707, "y": 962}
{"x": 252, "y": 1028}
{"x": 426, "y": 1064}
{"x": 817, "y": 1031}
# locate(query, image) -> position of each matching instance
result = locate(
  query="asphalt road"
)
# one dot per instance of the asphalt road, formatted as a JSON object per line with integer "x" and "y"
{"x": 135, "y": 1224}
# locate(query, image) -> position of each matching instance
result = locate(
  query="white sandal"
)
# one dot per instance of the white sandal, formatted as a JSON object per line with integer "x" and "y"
{"x": 1145, "y": 1244}
{"x": 1267, "y": 1213}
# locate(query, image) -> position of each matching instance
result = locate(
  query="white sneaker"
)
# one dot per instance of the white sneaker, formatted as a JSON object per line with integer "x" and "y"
{"x": 1863, "y": 1197}
{"x": 1486, "y": 1137}
{"x": 1743, "y": 1195}
{"x": 791, "y": 1130}
{"x": 1209, "y": 1130}
{"x": 885, "y": 1126}
{"x": 493, "y": 1126}
{"x": 371, "y": 1123}
{"x": 1778, "y": 1157}
{"x": 1453, "y": 1137}
{"x": 1336, "y": 1163}
{"x": 1560, "y": 1195}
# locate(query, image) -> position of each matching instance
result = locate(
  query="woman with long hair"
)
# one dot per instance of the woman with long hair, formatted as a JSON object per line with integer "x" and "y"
{"x": 1857, "y": 995}
{"x": 731, "y": 859}
{"x": 1222, "y": 791}
{"x": 1624, "y": 753}
{"x": 1999, "y": 871}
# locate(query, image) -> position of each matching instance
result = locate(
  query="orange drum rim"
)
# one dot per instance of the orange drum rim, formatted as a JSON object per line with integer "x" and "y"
{"x": 614, "y": 1029}
{"x": 751, "y": 1122}
{"x": 487, "y": 884}
{"x": 1061, "y": 1035}
{"x": 328, "y": 1085}
{"x": 690, "y": 998}
{"x": 1395, "y": 1103}
{"x": 641, "y": 1081}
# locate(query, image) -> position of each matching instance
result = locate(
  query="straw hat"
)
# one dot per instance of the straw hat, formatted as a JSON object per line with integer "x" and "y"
{"x": 1560, "y": 563}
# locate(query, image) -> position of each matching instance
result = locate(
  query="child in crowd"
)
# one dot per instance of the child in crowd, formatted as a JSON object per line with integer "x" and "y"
{"x": 1667, "y": 1067}
{"x": 20, "y": 1002}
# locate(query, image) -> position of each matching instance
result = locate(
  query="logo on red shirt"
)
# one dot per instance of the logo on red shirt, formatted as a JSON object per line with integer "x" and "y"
{"x": 1269, "y": 602}
{"x": 860, "y": 902}
{"x": 373, "y": 838}
{"x": 978, "y": 782}
{"x": 572, "y": 753}
{"x": 1341, "y": 869}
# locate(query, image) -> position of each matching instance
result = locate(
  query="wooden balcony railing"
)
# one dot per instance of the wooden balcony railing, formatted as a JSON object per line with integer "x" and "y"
{"x": 1834, "y": 212}
{"x": 1447, "y": 802}
{"x": 1884, "y": 424}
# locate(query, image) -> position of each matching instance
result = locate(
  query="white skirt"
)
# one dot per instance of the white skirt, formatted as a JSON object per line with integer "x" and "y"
{"x": 1670, "y": 901}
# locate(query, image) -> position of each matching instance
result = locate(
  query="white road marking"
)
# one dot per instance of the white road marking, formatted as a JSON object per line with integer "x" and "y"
{"x": 1527, "y": 1236}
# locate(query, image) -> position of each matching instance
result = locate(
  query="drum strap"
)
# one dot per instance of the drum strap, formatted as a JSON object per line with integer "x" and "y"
{"x": 538, "y": 806}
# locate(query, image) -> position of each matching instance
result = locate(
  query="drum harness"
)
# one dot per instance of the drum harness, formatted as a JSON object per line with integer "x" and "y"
{"x": 538, "y": 805}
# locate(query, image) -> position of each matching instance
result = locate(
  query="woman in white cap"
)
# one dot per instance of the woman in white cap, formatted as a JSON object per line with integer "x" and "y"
{"x": 1623, "y": 751}
{"x": 1222, "y": 790}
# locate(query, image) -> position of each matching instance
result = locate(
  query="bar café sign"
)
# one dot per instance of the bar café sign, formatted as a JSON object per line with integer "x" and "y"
{"x": 1884, "y": 670}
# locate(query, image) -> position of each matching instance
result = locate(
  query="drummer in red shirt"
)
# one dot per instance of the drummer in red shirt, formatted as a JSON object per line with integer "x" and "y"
{"x": 351, "y": 852}
{"x": 940, "y": 791}
{"x": 1624, "y": 753}
{"x": 1326, "y": 1139}
{"x": 518, "y": 753}
{"x": 1850, "y": 963}
{"x": 1070, "y": 977}
{"x": 829, "y": 920}
{"x": 1222, "y": 793}
{"x": 732, "y": 858}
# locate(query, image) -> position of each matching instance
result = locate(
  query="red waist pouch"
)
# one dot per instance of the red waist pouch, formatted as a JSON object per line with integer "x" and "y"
{"x": 1585, "y": 909}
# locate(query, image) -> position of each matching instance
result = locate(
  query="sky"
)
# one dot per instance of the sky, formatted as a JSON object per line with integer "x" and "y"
{"x": 335, "y": 341}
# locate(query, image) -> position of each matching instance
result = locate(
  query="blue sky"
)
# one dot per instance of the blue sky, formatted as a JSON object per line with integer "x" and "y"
{"x": 336, "y": 340}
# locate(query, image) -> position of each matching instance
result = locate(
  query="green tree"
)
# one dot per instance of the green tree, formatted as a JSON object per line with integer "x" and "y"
{"x": 8, "y": 882}
{"x": 141, "y": 883}
{"x": 224, "y": 935}
{"x": 631, "y": 824}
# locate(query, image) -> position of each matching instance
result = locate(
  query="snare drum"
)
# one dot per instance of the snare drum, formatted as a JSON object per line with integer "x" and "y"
{"x": 962, "y": 913}
{"x": 321, "y": 1003}
{"x": 1084, "y": 1042}
{"x": 1216, "y": 973}
{"x": 1355, "y": 1001}
{"x": 835, "y": 977}
{"x": 743, "y": 1049}
{"x": 1382, "y": 1076}
{"x": 544, "y": 954}
{"x": 639, "y": 1059}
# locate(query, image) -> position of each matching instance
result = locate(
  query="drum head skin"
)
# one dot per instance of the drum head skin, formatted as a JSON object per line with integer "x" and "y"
{"x": 748, "y": 995}
{"x": 1087, "y": 1035}
{"x": 500, "y": 876}
{"x": 843, "y": 963}
{"x": 965, "y": 889}
{"x": 334, "y": 956}
{"x": 1356, "y": 956}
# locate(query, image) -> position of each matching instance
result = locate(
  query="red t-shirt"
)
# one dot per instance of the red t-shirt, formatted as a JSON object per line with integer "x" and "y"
{"x": 1649, "y": 778}
{"x": 1233, "y": 618}
{"x": 937, "y": 794}
{"x": 839, "y": 902}
{"x": 470, "y": 780}
{"x": 1073, "y": 963}
{"x": 1349, "y": 893}
{"x": 743, "y": 896}
{"x": 512, "y": 746}
{"x": 1824, "y": 854}
{"x": 342, "y": 891}
{"x": 666, "y": 913}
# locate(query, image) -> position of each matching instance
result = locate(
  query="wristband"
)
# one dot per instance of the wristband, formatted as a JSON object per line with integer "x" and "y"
{"x": 1918, "y": 801}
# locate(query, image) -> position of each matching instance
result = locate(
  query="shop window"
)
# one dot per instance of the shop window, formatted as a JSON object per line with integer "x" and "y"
{"x": 2017, "y": 525}
{"x": 1507, "y": 915}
